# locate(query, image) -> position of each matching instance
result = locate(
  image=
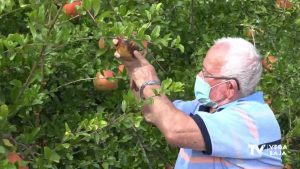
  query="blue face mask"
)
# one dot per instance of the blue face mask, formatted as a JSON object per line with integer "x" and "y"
{"x": 202, "y": 90}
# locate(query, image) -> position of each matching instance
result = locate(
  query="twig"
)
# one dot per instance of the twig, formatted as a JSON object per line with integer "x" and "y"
{"x": 32, "y": 44}
{"x": 159, "y": 65}
{"x": 253, "y": 34}
{"x": 79, "y": 80}
{"x": 92, "y": 17}
{"x": 66, "y": 84}
{"x": 107, "y": 126}
{"x": 290, "y": 119}
{"x": 142, "y": 147}
{"x": 191, "y": 16}
{"x": 68, "y": 19}
{"x": 113, "y": 8}
{"x": 25, "y": 85}
{"x": 41, "y": 57}
{"x": 42, "y": 60}
{"x": 15, "y": 10}
{"x": 32, "y": 153}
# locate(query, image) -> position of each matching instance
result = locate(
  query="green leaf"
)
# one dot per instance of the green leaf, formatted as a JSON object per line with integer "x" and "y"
{"x": 2, "y": 150}
{"x": 122, "y": 10}
{"x": 97, "y": 138}
{"x": 16, "y": 38}
{"x": 7, "y": 143}
{"x": 156, "y": 32}
{"x": 296, "y": 130}
{"x": 148, "y": 38}
{"x": 137, "y": 121}
{"x": 102, "y": 124}
{"x": 148, "y": 14}
{"x": 96, "y": 6}
{"x": 30, "y": 135}
{"x": 68, "y": 130}
{"x": 105, "y": 165}
{"x": 41, "y": 13}
{"x": 158, "y": 7}
{"x": 124, "y": 106}
{"x": 166, "y": 83}
{"x": 69, "y": 156}
{"x": 141, "y": 31}
{"x": 3, "y": 111}
{"x": 181, "y": 48}
{"x": 177, "y": 87}
{"x": 51, "y": 155}
{"x": 104, "y": 15}
{"x": 66, "y": 145}
{"x": 125, "y": 138}
{"x": 87, "y": 4}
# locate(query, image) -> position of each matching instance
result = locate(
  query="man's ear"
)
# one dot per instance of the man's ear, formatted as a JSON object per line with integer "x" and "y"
{"x": 232, "y": 89}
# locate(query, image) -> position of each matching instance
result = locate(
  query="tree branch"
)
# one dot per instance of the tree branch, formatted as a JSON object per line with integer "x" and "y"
{"x": 41, "y": 58}
{"x": 142, "y": 147}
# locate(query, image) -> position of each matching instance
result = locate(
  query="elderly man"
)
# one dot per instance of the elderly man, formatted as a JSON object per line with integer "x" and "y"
{"x": 228, "y": 125}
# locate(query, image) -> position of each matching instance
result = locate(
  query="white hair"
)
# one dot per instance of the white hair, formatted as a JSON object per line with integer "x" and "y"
{"x": 243, "y": 62}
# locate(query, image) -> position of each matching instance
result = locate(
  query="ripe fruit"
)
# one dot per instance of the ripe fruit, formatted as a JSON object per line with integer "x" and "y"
{"x": 13, "y": 158}
{"x": 70, "y": 8}
{"x": 102, "y": 83}
{"x": 285, "y": 4}
{"x": 101, "y": 43}
{"x": 268, "y": 62}
{"x": 121, "y": 68}
{"x": 124, "y": 48}
{"x": 23, "y": 167}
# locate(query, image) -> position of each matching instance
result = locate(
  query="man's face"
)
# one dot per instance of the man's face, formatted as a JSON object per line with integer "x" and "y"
{"x": 212, "y": 65}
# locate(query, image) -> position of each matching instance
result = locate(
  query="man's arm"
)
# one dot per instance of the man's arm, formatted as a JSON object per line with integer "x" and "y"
{"x": 179, "y": 129}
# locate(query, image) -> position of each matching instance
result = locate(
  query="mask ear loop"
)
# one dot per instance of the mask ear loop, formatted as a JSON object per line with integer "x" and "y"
{"x": 201, "y": 75}
{"x": 217, "y": 105}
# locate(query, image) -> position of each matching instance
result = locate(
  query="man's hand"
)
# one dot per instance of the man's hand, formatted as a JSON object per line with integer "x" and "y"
{"x": 139, "y": 70}
{"x": 179, "y": 129}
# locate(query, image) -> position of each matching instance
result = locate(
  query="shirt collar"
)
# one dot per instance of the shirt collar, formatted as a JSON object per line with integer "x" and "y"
{"x": 257, "y": 97}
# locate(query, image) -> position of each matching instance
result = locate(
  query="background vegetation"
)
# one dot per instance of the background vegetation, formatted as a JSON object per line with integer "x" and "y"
{"x": 52, "y": 123}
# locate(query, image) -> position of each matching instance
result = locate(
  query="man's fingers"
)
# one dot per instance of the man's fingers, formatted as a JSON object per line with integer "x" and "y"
{"x": 115, "y": 41}
{"x": 117, "y": 54}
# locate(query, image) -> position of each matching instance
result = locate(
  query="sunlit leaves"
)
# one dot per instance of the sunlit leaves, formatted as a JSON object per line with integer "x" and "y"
{"x": 51, "y": 155}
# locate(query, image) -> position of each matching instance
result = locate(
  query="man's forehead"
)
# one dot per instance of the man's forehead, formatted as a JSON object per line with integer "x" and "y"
{"x": 220, "y": 48}
{"x": 215, "y": 59}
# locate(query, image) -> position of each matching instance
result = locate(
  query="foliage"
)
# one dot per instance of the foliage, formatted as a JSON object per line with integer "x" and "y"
{"x": 53, "y": 123}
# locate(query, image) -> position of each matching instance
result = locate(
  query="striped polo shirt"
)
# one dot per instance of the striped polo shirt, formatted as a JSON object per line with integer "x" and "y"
{"x": 240, "y": 134}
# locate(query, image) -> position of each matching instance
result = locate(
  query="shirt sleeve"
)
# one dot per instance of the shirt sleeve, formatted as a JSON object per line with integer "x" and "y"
{"x": 230, "y": 133}
{"x": 188, "y": 107}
